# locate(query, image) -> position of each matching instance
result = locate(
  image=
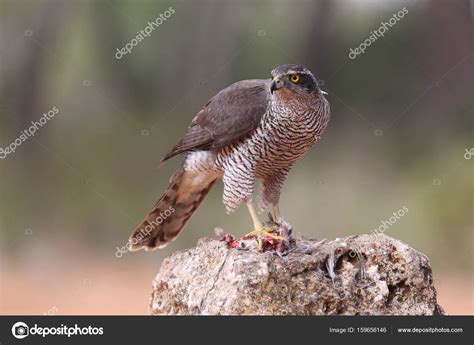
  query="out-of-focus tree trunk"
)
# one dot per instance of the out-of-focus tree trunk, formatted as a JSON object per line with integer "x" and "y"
{"x": 27, "y": 101}
{"x": 443, "y": 53}
{"x": 318, "y": 42}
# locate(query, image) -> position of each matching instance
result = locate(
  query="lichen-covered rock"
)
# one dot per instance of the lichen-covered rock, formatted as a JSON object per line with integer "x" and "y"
{"x": 357, "y": 275}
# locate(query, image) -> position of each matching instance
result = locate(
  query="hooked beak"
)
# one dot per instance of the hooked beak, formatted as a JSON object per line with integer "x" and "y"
{"x": 277, "y": 83}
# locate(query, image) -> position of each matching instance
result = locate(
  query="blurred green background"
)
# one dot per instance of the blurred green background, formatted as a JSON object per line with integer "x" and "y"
{"x": 402, "y": 120}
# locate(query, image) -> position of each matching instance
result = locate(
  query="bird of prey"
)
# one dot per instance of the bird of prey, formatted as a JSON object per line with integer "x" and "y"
{"x": 253, "y": 130}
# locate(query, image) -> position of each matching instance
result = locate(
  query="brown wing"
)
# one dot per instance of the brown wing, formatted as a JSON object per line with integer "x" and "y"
{"x": 231, "y": 114}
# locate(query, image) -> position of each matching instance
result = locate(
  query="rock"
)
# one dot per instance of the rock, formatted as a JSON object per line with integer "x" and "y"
{"x": 357, "y": 275}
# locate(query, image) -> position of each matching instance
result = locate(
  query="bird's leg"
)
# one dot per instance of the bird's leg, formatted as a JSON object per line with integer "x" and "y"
{"x": 256, "y": 222}
{"x": 276, "y": 213}
{"x": 260, "y": 232}
{"x": 283, "y": 228}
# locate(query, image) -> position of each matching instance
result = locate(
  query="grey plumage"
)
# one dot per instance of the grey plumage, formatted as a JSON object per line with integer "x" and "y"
{"x": 229, "y": 115}
{"x": 252, "y": 130}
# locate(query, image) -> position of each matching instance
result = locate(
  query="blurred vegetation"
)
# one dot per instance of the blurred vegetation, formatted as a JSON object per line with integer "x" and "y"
{"x": 402, "y": 116}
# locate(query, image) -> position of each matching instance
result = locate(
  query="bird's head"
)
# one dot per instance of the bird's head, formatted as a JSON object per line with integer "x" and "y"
{"x": 293, "y": 79}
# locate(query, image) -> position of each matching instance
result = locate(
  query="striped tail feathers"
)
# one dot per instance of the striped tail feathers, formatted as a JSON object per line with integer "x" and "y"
{"x": 168, "y": 217}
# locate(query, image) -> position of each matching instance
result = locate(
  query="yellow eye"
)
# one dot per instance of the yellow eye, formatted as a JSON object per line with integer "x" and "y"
{"x": 295, "y": 78}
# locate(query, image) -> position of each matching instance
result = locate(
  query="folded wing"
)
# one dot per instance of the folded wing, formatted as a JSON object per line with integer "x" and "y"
{"x": 229, "y": 116}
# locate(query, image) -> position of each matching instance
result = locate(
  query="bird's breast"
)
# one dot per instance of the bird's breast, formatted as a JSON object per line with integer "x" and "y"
{"x": 281, "y": 138}
{"x": 281, "y": 141}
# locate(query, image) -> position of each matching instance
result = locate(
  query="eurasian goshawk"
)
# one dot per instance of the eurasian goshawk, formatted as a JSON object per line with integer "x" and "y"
{"x": 252, "y": 130}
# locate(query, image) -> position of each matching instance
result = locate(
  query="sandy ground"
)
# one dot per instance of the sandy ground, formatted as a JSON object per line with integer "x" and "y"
{"x": 115, "y": 288}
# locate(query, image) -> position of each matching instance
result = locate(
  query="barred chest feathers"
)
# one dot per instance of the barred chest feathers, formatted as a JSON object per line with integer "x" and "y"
{"x": 287, "y": 133}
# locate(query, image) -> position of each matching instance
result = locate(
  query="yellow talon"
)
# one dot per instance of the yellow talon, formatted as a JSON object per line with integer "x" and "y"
{"x": 264, "y": 232}
{"x": 261, "y": 233}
